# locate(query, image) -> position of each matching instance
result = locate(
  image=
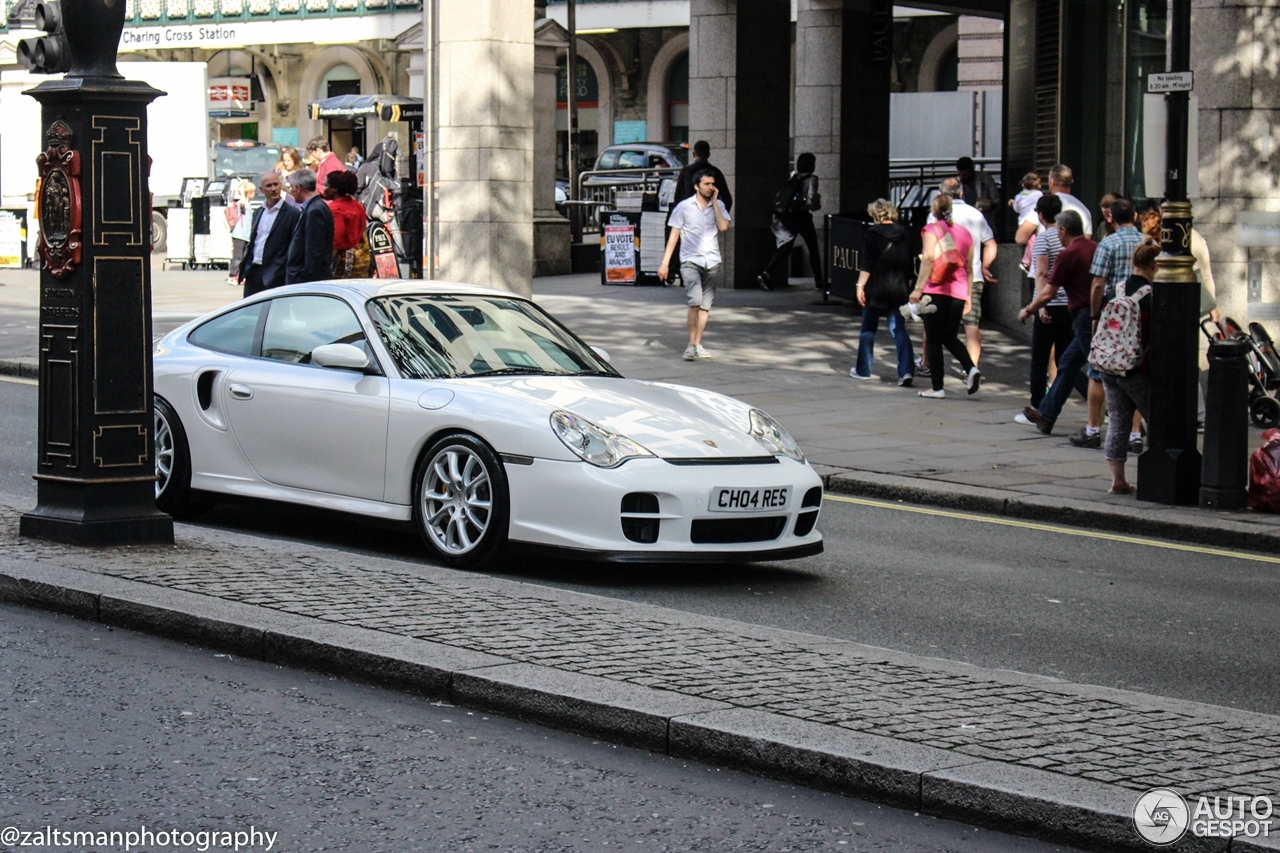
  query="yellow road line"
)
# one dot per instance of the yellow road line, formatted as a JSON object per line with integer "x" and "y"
{"x": 1053, "y": 528}
{"x": 19, "y": 380}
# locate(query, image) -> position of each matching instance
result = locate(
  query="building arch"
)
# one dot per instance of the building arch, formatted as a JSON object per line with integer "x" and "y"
{"x": 656, "y": 89}
{"x": 312, "y": 78}
{"x": 940, "y": 49}
{"x": 589, "y": 54}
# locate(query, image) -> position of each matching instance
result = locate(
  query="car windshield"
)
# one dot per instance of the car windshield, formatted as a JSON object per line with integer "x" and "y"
{"x": 439, "y": 336}
{"x": 248, "y": 160}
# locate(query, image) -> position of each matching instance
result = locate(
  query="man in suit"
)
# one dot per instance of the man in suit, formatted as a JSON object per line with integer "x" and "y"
{"x": 310, "y": 255}
{"x": 263, "y": 264}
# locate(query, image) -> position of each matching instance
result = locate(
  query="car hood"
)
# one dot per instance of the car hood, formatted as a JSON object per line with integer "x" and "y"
{"x": 672, "y": 421}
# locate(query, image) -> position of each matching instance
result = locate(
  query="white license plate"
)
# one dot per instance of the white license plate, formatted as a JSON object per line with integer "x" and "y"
{"x": 734, "y": 499}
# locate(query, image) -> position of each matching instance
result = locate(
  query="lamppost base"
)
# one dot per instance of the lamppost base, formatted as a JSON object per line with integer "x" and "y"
{"x": 1223, "y": 499}
{"x": 97, "y": 514}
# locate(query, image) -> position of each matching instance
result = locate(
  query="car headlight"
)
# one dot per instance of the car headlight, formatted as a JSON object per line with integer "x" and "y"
{"x": 594, "y": 443}
{"x": 773, "y": 437}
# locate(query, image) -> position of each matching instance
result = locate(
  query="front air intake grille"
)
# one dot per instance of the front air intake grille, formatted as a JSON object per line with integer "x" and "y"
{"x": 724, "y": 531}
{"x": 805, "y": 522}
{"x": 813, "y": 497}
{"x": 643, "y": 530}
{"x": 640, "y": 502}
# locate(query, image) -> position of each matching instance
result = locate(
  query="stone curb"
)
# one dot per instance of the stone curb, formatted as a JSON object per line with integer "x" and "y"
{"x": 1223, "y": 530}
{"x": 932, "y": 781}
{"x": 27, "y": 368}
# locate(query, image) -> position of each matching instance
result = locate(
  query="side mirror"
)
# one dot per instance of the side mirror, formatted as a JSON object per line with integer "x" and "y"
{"x": 341, "y": 356}
{"x": 604, "y": 354}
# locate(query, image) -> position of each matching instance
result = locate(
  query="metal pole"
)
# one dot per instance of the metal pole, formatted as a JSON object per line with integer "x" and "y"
{"x": 1169, "y": 472}
{"x": 430, "y": 128}
{"x": 571, "y": 96}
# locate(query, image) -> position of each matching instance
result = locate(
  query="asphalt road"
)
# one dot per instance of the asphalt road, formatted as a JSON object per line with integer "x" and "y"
{"x": 1091, "y": 610}
{"x": 106, "y": 730}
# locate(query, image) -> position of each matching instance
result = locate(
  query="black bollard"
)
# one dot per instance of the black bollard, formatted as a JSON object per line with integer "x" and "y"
{"x": 1224, "y": 477}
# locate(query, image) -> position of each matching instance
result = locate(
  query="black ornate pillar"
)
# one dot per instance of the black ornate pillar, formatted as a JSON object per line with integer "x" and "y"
{"x": 95, "y": 465}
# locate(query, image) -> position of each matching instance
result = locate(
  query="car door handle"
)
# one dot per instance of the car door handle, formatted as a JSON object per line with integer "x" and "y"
{"x": 241, "y": 392}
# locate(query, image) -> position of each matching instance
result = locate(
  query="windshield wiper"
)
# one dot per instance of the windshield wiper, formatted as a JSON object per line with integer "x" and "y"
{"x": 507, "y": 371}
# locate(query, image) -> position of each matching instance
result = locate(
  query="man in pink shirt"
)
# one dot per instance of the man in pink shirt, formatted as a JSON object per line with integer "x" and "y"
{"x": 321, "y": 160}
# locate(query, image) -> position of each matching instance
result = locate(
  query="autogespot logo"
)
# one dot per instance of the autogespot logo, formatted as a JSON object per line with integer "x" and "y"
{"x": 1161, "y": 816}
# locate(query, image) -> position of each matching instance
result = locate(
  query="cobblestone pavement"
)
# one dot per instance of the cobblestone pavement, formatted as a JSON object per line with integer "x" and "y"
{"x": 1127, "y": 740}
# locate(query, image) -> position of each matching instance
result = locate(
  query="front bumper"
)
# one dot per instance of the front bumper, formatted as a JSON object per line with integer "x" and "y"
{"x": 575, "y": 509}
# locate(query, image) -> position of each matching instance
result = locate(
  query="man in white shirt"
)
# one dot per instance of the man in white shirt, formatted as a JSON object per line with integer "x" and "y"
{"x": 696, "y": 224}
{"x": 263, "y": 265}
{"x": 984, "y": 255}
{"x": 1060, "y": 181}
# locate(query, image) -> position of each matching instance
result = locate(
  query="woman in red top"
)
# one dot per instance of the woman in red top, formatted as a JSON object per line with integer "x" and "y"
{"x": 944, "y": 277}
{"x": 350, "y": 245}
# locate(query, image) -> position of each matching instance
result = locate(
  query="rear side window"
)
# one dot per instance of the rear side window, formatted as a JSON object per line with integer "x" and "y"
{"x": 233, "y": 332}
{"x": 632, "y": 160}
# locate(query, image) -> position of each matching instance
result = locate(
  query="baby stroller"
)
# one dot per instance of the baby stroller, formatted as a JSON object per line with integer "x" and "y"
{"x": 1264, "y": 367}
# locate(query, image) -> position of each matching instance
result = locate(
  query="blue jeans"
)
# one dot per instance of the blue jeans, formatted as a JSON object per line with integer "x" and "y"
{"x": 1070, "y": 364}
{"x": 867, "y": 340}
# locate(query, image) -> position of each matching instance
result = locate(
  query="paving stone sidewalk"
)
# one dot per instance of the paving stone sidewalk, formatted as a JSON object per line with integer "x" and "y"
{"x": 1123, "y": 739}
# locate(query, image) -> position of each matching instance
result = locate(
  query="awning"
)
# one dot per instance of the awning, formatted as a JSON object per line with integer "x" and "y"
{"x": 385, "y": 107}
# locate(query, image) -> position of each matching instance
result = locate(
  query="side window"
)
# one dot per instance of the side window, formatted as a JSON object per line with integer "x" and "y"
{"x": 608, "y": 160}
{"x": 632, "y": 160}
{"x": 232, "y": 332}
{"x": 296, "y": 325}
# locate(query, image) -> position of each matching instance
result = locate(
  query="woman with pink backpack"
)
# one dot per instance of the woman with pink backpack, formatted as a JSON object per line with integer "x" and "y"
{"x": 944, "y": 280}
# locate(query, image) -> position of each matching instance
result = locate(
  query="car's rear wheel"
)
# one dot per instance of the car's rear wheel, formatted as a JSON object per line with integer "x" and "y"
{"x": 461, "y": 501}
{"x": 173, "y": 465}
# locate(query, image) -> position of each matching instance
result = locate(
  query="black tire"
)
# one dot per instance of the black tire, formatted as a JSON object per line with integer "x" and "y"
{"x": 159, "y": 232}
{"x": 461, "y": 502}
{"x": 173, "y": 465}
{"x": 1265, "y": 412}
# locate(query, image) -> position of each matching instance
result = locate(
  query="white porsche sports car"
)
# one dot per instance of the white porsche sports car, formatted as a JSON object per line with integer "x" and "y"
{"x": 476, "y": 416}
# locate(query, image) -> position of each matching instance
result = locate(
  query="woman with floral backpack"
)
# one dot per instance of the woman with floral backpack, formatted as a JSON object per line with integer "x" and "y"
{"x": 944, "y": 279}
{"x": 1130, "y": 391}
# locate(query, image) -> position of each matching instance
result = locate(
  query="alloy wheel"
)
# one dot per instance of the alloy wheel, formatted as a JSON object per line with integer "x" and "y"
{"x": 457, "y": 500}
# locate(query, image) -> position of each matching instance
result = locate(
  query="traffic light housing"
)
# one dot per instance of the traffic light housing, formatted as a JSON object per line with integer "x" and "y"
{"x": 49, "y": 53}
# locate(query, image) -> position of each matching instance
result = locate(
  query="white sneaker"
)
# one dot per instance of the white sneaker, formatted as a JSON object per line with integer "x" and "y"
{"x": 1022, "y": 419}
{"x": 973, "y": 379}
{"x": 933, "y": 395}
{"x": 700, "y": 352}
{"x": 690, "y": 352}
{"x": 853, "y": 372}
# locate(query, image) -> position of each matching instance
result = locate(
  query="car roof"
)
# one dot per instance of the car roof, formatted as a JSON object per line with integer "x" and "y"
{"x": 374, "y": 287}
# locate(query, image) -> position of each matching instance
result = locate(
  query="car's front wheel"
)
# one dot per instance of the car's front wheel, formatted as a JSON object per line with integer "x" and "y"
{"x": 461, "y": 501}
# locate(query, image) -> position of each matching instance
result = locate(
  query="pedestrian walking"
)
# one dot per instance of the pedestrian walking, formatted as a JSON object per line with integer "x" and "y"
{"x": 1061, "y": 180}
{"x": 1051, "y": 331}
{"x": 1112, "y": 264}
{"x": 696, "y": 224}
{"x": 1071, "y": 273}
{"x": 310, "y": 255}
{"x": 793, "y": 211}
{"x": 885, "y": 266}
{"x": 701, "y": 161}
{"x": 263, "y": 266}
{"x": 1129, "y": 396}
{"x": 321, "y": 160}
{"x": 240, "y": 221}
{"x": 350, "y": 243}
{"x": 984, "y": 255}
{"x": 1107, "y": 226}
{"x": 947, "y": 261}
